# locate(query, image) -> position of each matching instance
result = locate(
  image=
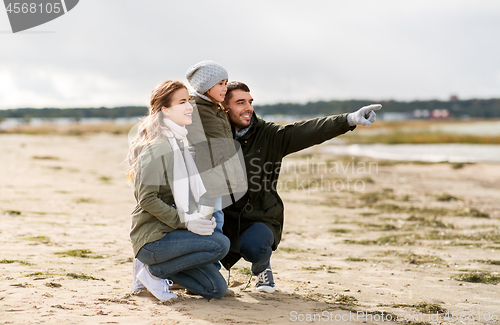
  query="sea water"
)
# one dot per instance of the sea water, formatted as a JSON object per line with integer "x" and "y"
{"x": 420, "y": 152}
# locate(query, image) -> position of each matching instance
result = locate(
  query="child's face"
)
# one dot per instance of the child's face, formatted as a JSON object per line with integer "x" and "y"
{"x": 218, "y": 92}
{"x": 181, "y": 111}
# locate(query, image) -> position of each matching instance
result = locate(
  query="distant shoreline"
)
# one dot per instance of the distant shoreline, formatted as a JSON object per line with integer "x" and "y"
{"x": 478, "y": 131}
{"x": 394, "y": 110}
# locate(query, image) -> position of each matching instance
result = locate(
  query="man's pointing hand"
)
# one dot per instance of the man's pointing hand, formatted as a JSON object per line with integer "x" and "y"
{"x": 364, "y": 116}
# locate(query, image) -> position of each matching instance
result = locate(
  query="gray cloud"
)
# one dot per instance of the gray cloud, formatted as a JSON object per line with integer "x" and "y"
{"x": 109, "y": 53}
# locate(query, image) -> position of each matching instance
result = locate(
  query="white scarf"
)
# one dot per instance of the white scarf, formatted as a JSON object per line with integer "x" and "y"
{"x": 186, "y": 174}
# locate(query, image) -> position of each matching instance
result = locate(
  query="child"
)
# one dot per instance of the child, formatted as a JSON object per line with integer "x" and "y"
{"x": 214, "y": 143}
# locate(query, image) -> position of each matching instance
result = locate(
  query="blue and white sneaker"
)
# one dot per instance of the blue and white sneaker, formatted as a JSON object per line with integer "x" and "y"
{"x": 265, "y": 281}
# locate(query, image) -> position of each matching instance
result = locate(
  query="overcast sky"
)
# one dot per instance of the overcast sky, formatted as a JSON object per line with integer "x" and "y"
{"x": 113, "y": 52}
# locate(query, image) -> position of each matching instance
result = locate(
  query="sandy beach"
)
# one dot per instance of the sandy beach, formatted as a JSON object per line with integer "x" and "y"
{"x": 365, "y": 240}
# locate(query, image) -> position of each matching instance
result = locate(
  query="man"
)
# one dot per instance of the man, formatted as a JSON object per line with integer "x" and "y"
{"x": 254, "y": 224}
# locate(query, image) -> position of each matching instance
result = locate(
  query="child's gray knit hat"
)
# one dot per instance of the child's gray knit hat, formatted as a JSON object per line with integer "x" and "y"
{"x": 204, "y": 75}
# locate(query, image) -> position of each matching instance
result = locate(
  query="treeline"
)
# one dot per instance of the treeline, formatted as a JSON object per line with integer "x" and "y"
{"x": 477, "y": 108}
{"x": 77, "y": 113}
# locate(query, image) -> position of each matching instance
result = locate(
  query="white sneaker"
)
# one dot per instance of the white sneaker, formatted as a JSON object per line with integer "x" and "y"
{"x": 158, "y": 287}
{"x": 136, "y": 284}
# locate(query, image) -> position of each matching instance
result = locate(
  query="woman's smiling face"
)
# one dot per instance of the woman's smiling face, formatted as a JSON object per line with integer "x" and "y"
{"x": 180, "y": 110}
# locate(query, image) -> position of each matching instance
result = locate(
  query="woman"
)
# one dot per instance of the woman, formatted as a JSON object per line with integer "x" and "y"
{"x": 172, "y": 241}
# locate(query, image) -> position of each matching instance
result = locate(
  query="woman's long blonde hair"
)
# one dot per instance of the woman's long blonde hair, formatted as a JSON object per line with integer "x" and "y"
{"x": 151, "y": 125}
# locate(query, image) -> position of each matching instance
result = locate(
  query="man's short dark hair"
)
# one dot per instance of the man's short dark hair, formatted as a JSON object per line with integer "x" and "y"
{"x": 233, "y": 85}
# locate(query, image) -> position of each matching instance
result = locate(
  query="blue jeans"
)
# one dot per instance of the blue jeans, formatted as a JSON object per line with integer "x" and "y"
{"x": 219, "y": 219}
{"x": 218, "y": 214}
{"x": 187, "y": 259}
{"x": 256, "y": 246}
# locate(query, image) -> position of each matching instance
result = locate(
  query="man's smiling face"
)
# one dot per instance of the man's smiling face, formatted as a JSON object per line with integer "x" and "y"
{"x": 240, "y": 109}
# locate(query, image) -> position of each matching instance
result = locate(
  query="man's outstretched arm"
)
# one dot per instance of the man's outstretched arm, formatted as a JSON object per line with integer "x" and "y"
{"x": 303, "y": 134}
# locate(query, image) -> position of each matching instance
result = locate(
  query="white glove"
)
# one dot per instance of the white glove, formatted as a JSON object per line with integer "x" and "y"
{"x": 202, "y": 227}
{"x": 364, "y": 116}
{"x": 207, "y": 211}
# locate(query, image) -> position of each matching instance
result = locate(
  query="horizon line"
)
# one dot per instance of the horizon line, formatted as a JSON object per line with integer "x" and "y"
{"x": 276, "y": 103}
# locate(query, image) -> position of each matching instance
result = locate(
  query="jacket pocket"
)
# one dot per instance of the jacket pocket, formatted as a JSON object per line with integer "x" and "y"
{"x": 253, "y": 153}
{"x": 269, "y": 201}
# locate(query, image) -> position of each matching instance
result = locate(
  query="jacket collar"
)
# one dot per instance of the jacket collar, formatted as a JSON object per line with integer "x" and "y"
{"x": 202, "y": 101}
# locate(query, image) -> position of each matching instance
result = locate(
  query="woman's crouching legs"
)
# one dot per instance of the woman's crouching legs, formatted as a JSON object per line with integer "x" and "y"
{"x": 187, "y": 259}
{"x": 203, "y": 280}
